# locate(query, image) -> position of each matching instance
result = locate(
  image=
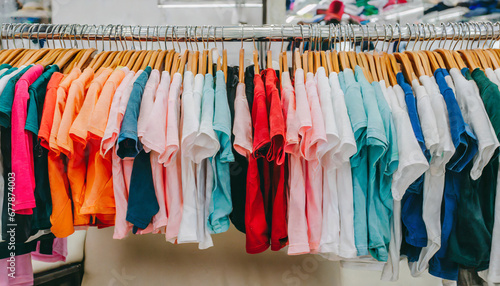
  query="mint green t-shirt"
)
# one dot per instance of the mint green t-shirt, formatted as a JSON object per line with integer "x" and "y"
{"x": 382, "y": 202}
{"x": 376, "y": 146}
{"x": 359, "y": 162}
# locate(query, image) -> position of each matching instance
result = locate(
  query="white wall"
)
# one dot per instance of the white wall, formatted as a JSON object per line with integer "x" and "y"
{"x": 145, "y": 12}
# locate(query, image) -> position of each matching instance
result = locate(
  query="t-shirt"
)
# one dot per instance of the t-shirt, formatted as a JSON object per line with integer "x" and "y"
{"x": 153, "y": 141}
{"x": 312, "y": 142}
{"x": 120, "y": 185}
{"x": 435, "y": 177}
{"x": 465, "y": 144}
{"x": 22, "y": 145}
{"x": 274, "y": 187}
{"x": 37, "y": 91}
{"x": 204, "y": 149}
{"x": 190, "y": 110}
{"x": 383, "y": 202}
{"x": 377, "y": 143}
{"x": 62, "y": 213}
{"x": 475, "y": 116}
{"x": 99, "y": 196}
{"x": 7, "y": 95}
{"x": 330, "y": 226}
{"x": 75, "y": 152}
{"x": 170, "y": 158}
{"x": 242, "y": 150}
{"x": 257, "y": 229}
{"x": 359, "y": 161}
{"x": 412, "y": 164}
{"x": 411, "y": 205}
{"x": 493, "y": 274}
{"x": 220, "y": 206}
{"x": 340, "y": 242}
{"x": 470, "y": 241}
{"x": 298, "y": 121}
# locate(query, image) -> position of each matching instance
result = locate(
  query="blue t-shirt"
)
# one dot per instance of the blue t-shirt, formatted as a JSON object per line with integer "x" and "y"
{"x": 465, "y": 144}
{"x": 359, "y": 161}
{"x": 142, "y": 202}
{"x": 128, "y": 143}
{"x": 414, "y": 230}
{"x": 221, "y": 204}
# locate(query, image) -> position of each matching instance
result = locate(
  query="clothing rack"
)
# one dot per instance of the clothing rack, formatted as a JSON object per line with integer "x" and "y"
{"x": 140, "y": 35}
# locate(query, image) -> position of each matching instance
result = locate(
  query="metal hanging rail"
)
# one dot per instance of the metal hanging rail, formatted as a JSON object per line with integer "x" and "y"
{"x": 472, "y": 32}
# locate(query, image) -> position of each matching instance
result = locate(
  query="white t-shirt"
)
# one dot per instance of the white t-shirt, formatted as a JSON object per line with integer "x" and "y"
{"x": 189, "y": 123}
{"x": 341, "y": 244}
{"x": 412, "y": 164}
{"x": 435, "y": 177}
{"x": 204, "y": 147}
{"x": 330, "y": 225}
{"x": 475, "y": 115}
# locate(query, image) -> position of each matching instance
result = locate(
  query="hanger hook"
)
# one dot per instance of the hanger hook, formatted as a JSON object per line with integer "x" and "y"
{"x": 399, "y": 40}
{"x": 376, "y": 39}
{"x": 302, "y": 37}
{"x": 30, "y": 34}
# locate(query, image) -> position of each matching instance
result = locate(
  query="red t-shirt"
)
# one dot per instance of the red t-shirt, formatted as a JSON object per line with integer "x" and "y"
{"x": 257, "y": 231}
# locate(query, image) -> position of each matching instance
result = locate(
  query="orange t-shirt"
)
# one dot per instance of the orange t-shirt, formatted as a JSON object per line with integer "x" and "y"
{"x": 77, "y": 167}
{"x": 62, "y": 93}
{"x": 48, "y": 109}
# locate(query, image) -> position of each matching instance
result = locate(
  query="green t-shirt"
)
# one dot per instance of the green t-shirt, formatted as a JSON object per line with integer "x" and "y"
{"x": 470, "y": 242}
{"x": 7, "y": 98}
{"x": 37, "y": 92}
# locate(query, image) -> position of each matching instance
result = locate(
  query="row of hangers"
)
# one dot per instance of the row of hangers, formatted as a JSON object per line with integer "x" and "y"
{"x": 376, "y": 65}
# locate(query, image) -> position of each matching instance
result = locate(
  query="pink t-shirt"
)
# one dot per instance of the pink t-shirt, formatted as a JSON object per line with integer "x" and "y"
{"x": 242, "y": 128}
{"x": 23, "y": 275}
{"x": 171, "y": 158}
{"x": 120, "y": 185}
{"x": 22, "y": 145}
{"x": 298, "y": 121}
{"x": 59, "y": 251}
{"x": 153, "y": 141}
{"x": 314, "y": 139}
{"x": 148, "y": 98}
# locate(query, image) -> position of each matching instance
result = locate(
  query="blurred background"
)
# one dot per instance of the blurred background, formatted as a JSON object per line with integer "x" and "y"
{"x": 253, "y": 12}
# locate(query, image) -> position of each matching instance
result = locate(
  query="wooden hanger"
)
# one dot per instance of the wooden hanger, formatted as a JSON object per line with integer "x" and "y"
{"x": 324, "y": 63}
{"x": 175, "y": 63}
{"x": 146, "y": 60}
{"x": 159, "y": 59}
{"x": 297, "y": 59}
{"x": 344, "y": 62}
{"x": 310, "y": 62}
{"x": 305, "y": 62}
{"x": 241, "y": 71}
{"x": 183, "y": 62}
{"x": 392, "y": 68}
{"x": 352, "y": 58}
{"x": 224, "y": 63}
{"x": 168, "y": 61}
{"x": 417, "y": 64}
{"x": 329, "y": 64}
{"x": 126, "y": 58}
{"x": 383, "y": 69}
{"x": 493, "y": 57}
{"x": 373, "y": 68}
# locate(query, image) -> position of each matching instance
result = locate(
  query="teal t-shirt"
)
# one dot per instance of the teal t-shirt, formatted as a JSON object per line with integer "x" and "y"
{"x": 359, "y": 161}
{"x": 383, "y": 203}
{"x": 221, "y": 204}
{"x": 37, "y": 98}
{"x": 7, "y": 98}
{"x": 376, "y": 146}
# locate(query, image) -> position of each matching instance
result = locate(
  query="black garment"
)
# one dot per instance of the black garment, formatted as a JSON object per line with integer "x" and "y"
{"x": 238, "y": 168}
{"x": 249, "y": 74}
{"x": 24, "y": 248}
{"x": 142, "y": 201}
